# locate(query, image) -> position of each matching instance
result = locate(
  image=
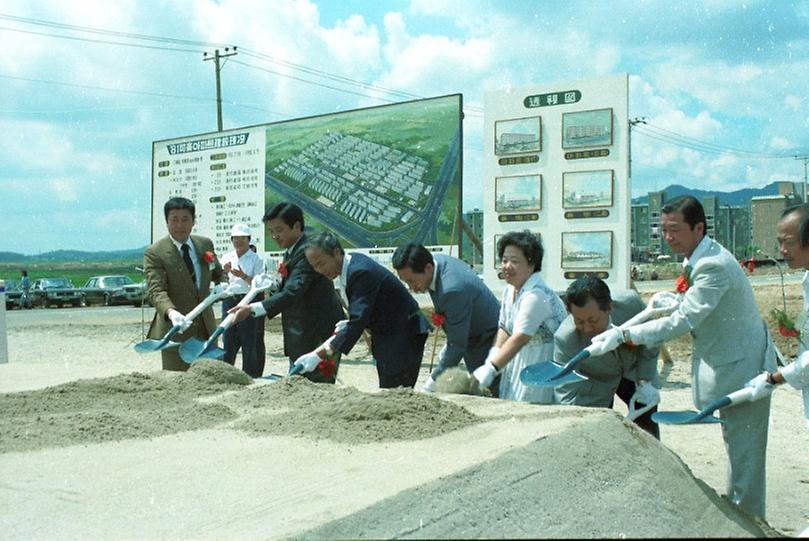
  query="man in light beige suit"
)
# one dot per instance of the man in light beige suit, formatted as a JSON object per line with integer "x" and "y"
{"x": 731, "y": 344}
{"x": 179, "y": 269}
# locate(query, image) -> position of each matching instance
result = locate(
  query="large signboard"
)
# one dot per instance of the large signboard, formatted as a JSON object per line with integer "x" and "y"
{"x": 557, "y": 164}
{"x": 377, "y": 177}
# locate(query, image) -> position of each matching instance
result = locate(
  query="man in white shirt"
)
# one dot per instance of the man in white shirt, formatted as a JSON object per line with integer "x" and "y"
{"x": 242, "y": 264}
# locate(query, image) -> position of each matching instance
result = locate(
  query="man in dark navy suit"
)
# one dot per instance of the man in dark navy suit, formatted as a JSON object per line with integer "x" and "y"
{"x": 376, "y": 301}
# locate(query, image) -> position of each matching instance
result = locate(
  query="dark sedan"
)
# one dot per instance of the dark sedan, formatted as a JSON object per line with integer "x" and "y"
{"x": 13, "y": 294}
{"x": 47, "y": 292}
{"x": 110, "y": 290}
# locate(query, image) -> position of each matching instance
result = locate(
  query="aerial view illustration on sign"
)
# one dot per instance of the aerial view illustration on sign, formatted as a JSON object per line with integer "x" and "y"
{"x": 375, "y": 177}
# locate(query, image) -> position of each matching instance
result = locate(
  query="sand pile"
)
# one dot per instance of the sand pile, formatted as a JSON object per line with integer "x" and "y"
{"x": 120, "y": 407}
{"x": 138, "y": 406}
{"x": 601, "y": 478}
{"x": 346, "y": 415}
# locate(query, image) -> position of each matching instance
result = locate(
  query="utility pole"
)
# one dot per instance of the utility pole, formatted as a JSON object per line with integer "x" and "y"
{"x": 216, "y": 56}
{"x": 632, "y": 123}
{"x": 805, "y": 160}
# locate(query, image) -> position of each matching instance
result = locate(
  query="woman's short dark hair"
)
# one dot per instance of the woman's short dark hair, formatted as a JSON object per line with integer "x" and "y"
{"x": 529, "y": 243}
{"x": 585, "y": 288}
{"x": 289, "y": 213}
{"x": 179, "y": 203}
{"x": 326, "y": 242}
{"x": 412, "y": 255}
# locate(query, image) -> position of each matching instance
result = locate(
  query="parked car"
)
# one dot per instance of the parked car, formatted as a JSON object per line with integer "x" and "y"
{"x": 110, "y": 290}
{"x": 47, "y": 292}
{"x": 13, "y": 294}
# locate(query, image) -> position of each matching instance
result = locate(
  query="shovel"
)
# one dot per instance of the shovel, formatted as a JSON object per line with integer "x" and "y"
{"x": 194, "y": 348}
{"x": 704, "y": 415}
{"x": 550, "y": 374}
{"x": 219, "y": 291}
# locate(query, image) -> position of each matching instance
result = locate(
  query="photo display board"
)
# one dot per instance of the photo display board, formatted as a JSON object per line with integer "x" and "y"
{"x": 377, "y": 177}
{"x": 557, "y": 164}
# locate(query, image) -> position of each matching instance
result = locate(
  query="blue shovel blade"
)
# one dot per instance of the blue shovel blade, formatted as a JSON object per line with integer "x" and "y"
{"x": 541, "y": 374}
{"x": 683, "y": 418}
{"x": 149, "y": 346}
{"x": 191, "y": 349}
{"x": 212, "y": 352}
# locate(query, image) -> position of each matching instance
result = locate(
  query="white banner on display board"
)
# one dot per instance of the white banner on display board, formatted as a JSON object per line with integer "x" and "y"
{"x": 557, "y": 164}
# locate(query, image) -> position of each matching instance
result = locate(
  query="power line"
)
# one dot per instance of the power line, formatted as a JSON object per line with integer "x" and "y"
{"x": 469, "y": 110}
{"x": 667, "y": 136}
{"x": 102, "y": 41}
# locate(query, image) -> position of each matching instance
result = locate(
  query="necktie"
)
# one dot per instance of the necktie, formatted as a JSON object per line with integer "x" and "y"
{"x": 189, "y": 263}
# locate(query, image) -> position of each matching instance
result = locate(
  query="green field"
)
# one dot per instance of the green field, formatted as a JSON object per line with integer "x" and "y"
{"x": 76, "y": 272}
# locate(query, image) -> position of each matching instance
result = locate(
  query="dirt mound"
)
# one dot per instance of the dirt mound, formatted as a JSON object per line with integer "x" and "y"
{"x": 458, "y": 381}
{"x": 121, "y": 407}
{"x": 346, "y": 415}
{"x": 601, "y": 478}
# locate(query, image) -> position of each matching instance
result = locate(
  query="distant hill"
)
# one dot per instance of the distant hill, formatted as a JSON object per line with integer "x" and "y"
{"x": 739, "y": 198}
{"x": 73, "y": 255}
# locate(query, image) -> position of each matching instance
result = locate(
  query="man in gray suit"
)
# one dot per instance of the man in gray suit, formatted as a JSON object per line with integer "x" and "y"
{"x": 731, "y": 344}
{"x": 470, "y": 309}
{"x": 628, "y": 371}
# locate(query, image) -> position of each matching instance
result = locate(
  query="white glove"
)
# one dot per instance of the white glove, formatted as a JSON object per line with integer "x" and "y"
{"x": 606, "y": 341}
{"x": 485, "y": 373}
{"x": 308, "y": 361}
{"x": 429, "y": 385}
{"x": 663, "y": 303}
{"x": 647, "y": 394}
{"x": 179, "y": 320}
{"x": 759, "y": 386}
{"x": 338, "y": 328}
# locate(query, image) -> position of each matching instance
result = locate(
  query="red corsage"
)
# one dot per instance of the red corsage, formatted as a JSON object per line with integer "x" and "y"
{"x": 327, "y": 367}
{"x": 283, "y": 270}
{"x": 438, "y": 319}
{"x": 209, "y": 257}
{"x": 682, "y": 284}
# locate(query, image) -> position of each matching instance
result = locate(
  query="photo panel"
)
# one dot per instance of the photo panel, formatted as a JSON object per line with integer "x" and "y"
{"x": 518, "y": 193}
{"x": 587, "y": 250}
{"x": 587, "y": 128}
{"x": 517, "y": 136}
{"x": 587, "y": 189}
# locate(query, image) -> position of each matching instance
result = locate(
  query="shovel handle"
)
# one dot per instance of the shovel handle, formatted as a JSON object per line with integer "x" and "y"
{"x": 571, "y": 364}
{"x": 713, "y": 406}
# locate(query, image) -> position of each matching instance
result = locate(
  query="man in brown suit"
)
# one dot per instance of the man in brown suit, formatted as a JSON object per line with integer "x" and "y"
{"x": 179, "y": 269}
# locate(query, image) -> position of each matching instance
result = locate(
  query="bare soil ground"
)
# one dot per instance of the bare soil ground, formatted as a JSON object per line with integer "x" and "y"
{"x": 53, "y": 347}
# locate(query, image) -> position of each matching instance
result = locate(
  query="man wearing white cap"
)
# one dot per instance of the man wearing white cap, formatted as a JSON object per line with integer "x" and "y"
{"x": 242, "y": 264}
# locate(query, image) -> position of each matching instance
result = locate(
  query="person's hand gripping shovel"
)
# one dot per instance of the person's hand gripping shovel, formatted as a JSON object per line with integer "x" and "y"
{"x": 194, "y": 348}
{"x": 550, "y": 374}
{"x": 309, "y": 361}
{"x": 753, "y": 390}
{"x": 220, "y": 291}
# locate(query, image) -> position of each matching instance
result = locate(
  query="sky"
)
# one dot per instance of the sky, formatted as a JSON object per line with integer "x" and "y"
{"x": 720, "y": 86}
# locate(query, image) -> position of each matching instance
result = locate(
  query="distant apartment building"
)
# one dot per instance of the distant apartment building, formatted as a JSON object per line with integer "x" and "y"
{"x": 732, "y": 230}
{"x": 765, "y": 211}
{"x": 657, "y": 246}
{"x": 640, "y": 231}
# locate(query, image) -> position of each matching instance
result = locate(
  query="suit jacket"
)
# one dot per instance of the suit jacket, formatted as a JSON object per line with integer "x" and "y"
{"x": 379, "y": 302}
{"x": 471, "y": 311}
{"x": 307, "y": 302}
{"x": 170, "y": 285}
{"x": 604, "y": 371}
{"x": 731, "y": 343}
